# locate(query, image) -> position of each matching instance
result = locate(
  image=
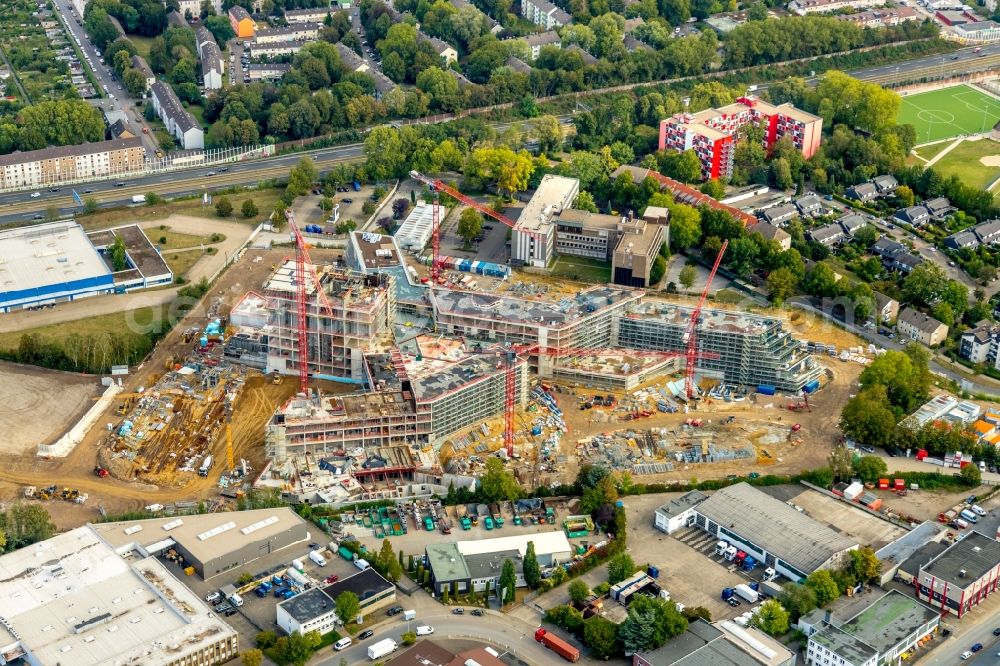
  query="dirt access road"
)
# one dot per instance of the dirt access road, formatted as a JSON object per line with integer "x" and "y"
{"x": 253, "y": 408}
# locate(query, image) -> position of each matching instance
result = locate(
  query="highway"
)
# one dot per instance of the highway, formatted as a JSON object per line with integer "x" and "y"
{"x": 958, "y": 62}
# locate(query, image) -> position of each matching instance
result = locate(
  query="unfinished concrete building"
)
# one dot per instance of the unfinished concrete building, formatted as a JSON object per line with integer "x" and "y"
{"x": 362, "y": 311}
{"x": 583, "y": 321}
{"x": 415, "y": 400}
{"x": 752, "y": 350}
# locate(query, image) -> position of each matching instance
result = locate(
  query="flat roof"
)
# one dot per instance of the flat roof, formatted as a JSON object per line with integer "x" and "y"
{"x": 204, "y": 536}
{"x": 309, "y": 605}
{"x": 423, "y": 653}
{"x": 679, "y": 505}
{"x": 486, "y": 565}
{"x": 552, "y": 314}
{"x": 73, "y": 599}
{"x": 799, "y": 540}
{"x": 447, "y": 562}
{"x": 847, "y": 645}
{"x": 976, "y": 555}
{"x": 375, "y": 251}
{"x": 365, "y": 584}
{"x": 548, "y": 543}
{"x": 725, "y": 321}
{"x": 554, "y": 193}
{"x": 47, "y": 254}
{"x": 888, "y": 621}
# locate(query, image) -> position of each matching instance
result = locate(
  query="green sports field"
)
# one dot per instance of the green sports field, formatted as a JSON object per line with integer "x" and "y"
{"x": 949, "y": 112}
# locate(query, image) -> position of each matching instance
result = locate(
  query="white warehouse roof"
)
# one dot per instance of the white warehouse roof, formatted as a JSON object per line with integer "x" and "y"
{"x": 47, "y": 254}
{"x": 417, "y": 228}
{"x": 73, "y": 600}
{"x": 546, "y": 543}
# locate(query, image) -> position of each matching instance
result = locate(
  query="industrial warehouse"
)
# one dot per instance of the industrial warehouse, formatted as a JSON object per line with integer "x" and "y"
{"x": 73, "y": 599}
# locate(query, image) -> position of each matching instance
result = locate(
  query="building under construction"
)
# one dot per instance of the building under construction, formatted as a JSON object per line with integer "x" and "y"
{"x": 415, "y": 399}
{"x": 751, "y": 350}
{"x": 362, "y": 308}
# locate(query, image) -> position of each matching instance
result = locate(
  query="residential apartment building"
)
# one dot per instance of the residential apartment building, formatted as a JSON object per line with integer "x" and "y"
{"x": 923, "y": 328}
{"x": 63, "y": 163}
{"x": 877, "y": 636}
{"x": 311, "y": 15}
{"x": 539, "y": 39}
{"x": 961, "y": 577}
{"x": 295, "y": 32}
{"x": 772, "y": 233}
{"x": 274, "y": 49}
{"x": 886, "y": 308}
{"x": 268, "y": 71}
{"x": 243, "y": 25}
{"x": 139, "y": 63}
{"x": 751, "y": 350}
{"x": 803, "y": 7}
{"x": 179, "y": 122}
{"x": 545, "y": 14}
{"x": 349, "y": 59}
{"x": 444, "y": 50}
{"x": 987, "y": 233}
{"x": 881, "y": 18}
{"x": 638, "y": 247}
{"x": 213, "y": 67}
{"x": 712, "y": 133}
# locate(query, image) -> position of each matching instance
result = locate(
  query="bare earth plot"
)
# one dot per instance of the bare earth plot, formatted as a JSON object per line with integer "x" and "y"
{"x": 37, "y": 405}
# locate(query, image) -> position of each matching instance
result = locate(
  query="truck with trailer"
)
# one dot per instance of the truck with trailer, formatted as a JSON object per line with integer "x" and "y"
{"x": 382, "y": 648}
{"x": 206, "y": 465}
{"x": 557, "y": 645}
{"x": 318, "y": 558}
{"x": 771, "y": 589}
{"x": 745, "y": 592}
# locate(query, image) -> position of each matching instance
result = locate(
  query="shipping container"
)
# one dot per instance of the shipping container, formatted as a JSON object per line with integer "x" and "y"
{"x": 811, "y": 386}
{"x": 766, "y": 389}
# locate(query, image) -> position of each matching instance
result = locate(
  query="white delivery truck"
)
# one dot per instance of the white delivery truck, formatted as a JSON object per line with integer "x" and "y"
{"x": 297, "y": 565}
{"x": 315, "y": 556}
{"x": 138, "y": 198}
{"x": 382, "y": 648}
{"x": 235, "y": 599}
{"x": 409, "y": 615}
{"x": 745, "y": 592}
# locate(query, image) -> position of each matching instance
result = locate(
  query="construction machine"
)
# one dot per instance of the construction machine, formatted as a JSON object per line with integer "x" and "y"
{"x": 100, "y": 471}
{"x": 46, "y": 493}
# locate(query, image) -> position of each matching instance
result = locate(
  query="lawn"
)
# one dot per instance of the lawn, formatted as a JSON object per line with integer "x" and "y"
{"x": 142, "y": 45}
{"x": 181, "y": 262}
{"x": 583, "y": 269}
{"x": 265, "y": 199}
{"x": 949, "y": 112}
{"x": 173, "y": 240}
{"x": 929, "y": 151}
{"x": 966, "y": 162}
{"x": 113, "y": 324}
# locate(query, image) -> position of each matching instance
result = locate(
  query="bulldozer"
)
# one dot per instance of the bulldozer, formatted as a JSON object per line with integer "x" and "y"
{"x": 69, "y": 494}
{"x": 46, "y": 493}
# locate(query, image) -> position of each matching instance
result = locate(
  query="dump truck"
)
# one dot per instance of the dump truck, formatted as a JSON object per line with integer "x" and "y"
{"x": 557, "y": 645}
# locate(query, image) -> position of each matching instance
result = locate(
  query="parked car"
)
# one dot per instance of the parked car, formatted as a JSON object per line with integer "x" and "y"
{"x": 367, "y": 633}
{"x": 966, "y": 655}
{"x": 395, "y": 610}
{"x": 478, "y": 612}
{"x": 458, "y": 611}
{"x": 35, "y": 195}
{"x": 427, "y": 630}
{"x": 977, "y": 647}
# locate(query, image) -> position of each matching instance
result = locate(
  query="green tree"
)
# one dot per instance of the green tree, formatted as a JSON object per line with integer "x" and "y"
{"x": 252, "y": 657}
{"x": 90, "y": 206}
{"x": 620, "y": 567}
{"x": 348, "y": 607}
{"x": 470, "y": 224}
{"x": 27, "y": 524}
{"x": 508, "y": 583}
{"x": 905, "y": 376}
{"x": 548, "y": 132}
{"x": 821, "y": 281}
{"x": 771, "y": 618}
{"x": 781, "y": 283}
{"x": 601, "y": 636}
{"x": 657, "y": 270}
{"x": 867, "y": 417}
{"x": 249, "y": 209}
{"x": 870, "y": 468}
{"x": 510, "y": 172}
{"x": 688, "y": 275}
{"x": 585, "y": 201}
{"x": 385, "y": 156}
{"x": 905, "y": 195}
{"x": 409, "y": 638}
{"x": 119, "y": 258}
{"x": 223, "y": 207}
{"x": 824, "y": 586}
{"x": 865, "y": 565}
{"x": 51, "y": 213}
{"x": 971, "y": 475}
{"x": 302, "y": 177}
{"x": 713, "y": 188}
{"x": 840, "y": 462}
{"x": 265, "y": 639}
{"x": 798, "y": 599}
{"x": 578, "y": 591}
{"x": 134, "y": 82}
{"x": 650, "y": 622}
{"x": 685, "y": 226}
{"x": 497, "y": 483}
{"x": 602, "y": 493}
{"x": 532, "y": 572}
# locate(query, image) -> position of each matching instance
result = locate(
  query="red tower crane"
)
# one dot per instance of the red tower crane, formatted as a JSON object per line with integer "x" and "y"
{"x": 438, "y": 186}
{"x": 691, "y": 334}
{"x": 305, "y": 271}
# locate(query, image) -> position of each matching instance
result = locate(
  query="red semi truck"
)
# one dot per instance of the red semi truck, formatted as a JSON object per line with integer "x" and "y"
{"x": 557, "y": 645}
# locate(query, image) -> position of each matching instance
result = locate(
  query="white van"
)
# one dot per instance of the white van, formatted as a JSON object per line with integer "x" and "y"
{"x": 425, "y": 630}
{"x": 213, "y": 597}
{"x": 978, "y": 509}
{"x": 342, "y": 644}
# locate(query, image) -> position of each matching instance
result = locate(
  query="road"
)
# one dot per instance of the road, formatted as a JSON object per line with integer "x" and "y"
{"x": 503, "y": 632}
{"x": 118, "y": 99}
{"x": 970, "y": 382}
{"x": 959, "y": 62}
{"x": 950, "y": 651}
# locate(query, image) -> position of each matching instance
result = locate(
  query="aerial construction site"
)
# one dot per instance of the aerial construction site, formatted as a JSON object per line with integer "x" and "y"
{"x": 369, "y": 373}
